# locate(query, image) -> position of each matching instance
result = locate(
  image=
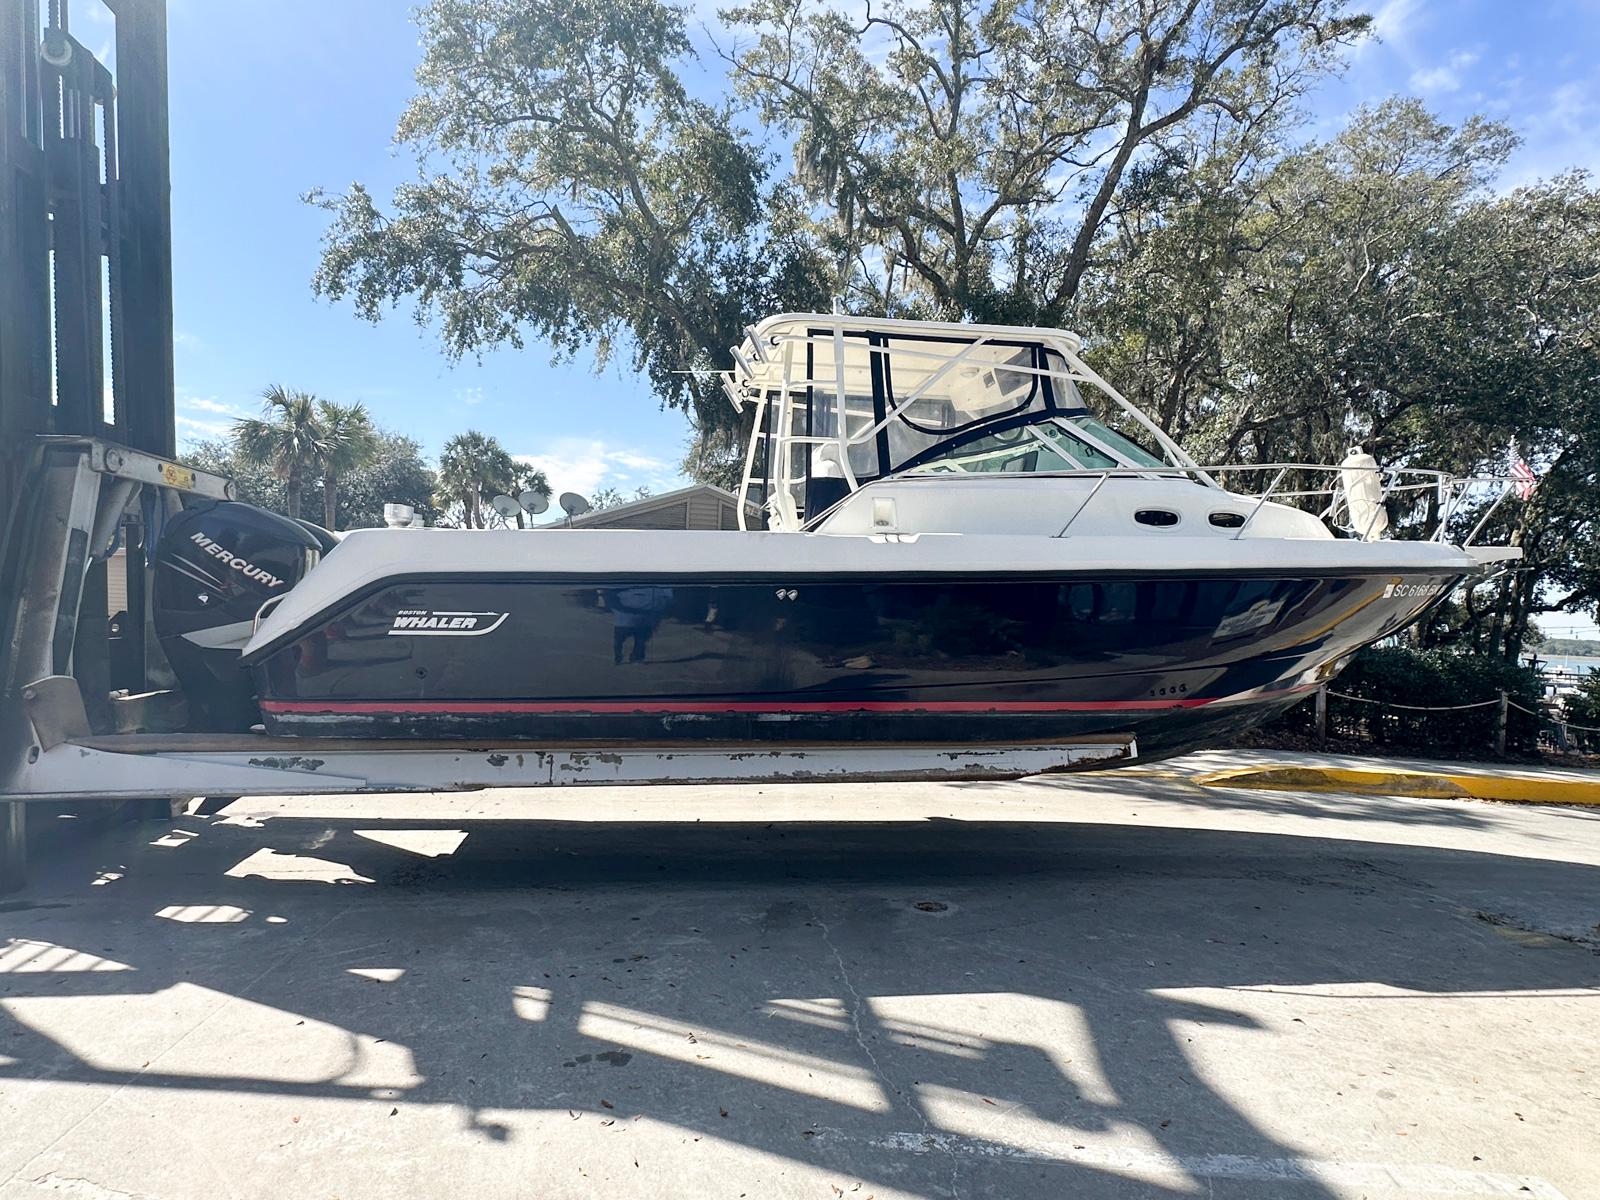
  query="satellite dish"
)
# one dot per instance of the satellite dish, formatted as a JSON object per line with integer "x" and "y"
{"x": 534, "y": 503}
{"x": 573, "y": 504}
{"x": 506, "y": 506}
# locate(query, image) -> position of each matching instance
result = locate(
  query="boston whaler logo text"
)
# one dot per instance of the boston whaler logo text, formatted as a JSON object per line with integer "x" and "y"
{"x": 1406, "y": 590}
{"x": 428, "y": 622}
{"x": 228, "y": 559}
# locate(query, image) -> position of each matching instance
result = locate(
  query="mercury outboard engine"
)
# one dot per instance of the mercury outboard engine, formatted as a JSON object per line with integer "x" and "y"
{"x": 216, "y": 565}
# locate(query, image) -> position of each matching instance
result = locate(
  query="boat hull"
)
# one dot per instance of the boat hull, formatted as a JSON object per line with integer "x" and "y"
{"x": 1174, "y": 659}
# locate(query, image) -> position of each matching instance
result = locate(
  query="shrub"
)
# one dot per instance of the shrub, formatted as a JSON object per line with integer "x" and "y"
{"x": 1584, "y": 709}
{"x": 1384, "y": 677}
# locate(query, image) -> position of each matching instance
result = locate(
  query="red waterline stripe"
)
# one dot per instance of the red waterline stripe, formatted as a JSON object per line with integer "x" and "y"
{"x": 728, "y": 706}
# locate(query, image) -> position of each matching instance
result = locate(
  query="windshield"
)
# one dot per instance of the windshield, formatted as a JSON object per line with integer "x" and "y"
{"x": 1132, "y": 451}
{"x": 1049, "y": 444}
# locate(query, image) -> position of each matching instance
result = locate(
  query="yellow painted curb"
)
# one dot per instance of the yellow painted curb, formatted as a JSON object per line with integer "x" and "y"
{"x": 1421, "y": 784}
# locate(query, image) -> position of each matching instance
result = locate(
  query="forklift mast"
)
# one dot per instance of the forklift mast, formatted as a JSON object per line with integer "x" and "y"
{"x": 85, "y": 289}
{"x": 85, "y": 327}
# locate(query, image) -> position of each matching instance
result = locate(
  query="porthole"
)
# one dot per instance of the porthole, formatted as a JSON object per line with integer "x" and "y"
{"x": 1227, "y": 520}
{"x": 1161, "y": 518}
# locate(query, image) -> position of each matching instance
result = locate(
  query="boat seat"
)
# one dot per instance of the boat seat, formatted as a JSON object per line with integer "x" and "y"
{"x": 823, "y": 493}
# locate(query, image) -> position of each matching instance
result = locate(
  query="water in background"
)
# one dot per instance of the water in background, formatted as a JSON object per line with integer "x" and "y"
{"x": 1570, "y": 664}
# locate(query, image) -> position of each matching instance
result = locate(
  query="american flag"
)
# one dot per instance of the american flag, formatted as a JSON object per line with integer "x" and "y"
{"x": 1522, "y": 476}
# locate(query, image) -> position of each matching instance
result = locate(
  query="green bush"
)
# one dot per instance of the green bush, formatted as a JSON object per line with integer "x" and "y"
{"x": 1584, "y": 709}
{"x": 1383, "y": 677}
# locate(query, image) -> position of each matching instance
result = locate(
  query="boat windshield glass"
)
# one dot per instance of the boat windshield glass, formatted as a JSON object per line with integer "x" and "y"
{"x": 1076, "y": 443}
{"x": 885, "y": 403}
{"x": 904, "y": 395}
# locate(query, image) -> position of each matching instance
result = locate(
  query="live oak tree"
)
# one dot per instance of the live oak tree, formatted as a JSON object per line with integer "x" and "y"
{"x": 1544, "y": 380}
{"x": 1375, "y": 289}
{"x": 613, "y": 498}
{"x": 1279, "y": 307}
{"x": 1162, "y": 308}
{"x": 570, "y": 188}
{"x": 961, "y": 158}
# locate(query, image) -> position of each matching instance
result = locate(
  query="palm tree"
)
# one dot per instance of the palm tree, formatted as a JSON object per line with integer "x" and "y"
{"x": 473, "y": 465}
{"x": 349, "y": 443}
{"x": 289, "y": 440}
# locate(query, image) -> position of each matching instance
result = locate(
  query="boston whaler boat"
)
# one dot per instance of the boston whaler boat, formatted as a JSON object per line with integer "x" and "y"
{"x": 959, "y": 546}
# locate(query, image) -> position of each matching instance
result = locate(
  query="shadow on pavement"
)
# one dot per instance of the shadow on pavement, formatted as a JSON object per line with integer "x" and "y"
{"x": 755, "y": 983}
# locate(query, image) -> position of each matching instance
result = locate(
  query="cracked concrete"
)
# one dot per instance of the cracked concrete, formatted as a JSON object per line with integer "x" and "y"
{"x": 855, "y": 1004}
{"x": 1119, "y": 985}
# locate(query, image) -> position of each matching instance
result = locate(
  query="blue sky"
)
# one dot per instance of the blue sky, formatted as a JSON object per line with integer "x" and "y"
{"x": 272, "y": 97}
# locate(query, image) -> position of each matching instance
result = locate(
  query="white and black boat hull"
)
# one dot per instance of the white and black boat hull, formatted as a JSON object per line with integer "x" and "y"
{"x": 1176, "y": 657}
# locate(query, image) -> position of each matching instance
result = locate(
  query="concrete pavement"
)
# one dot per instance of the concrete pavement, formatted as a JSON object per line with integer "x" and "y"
{"x": 1110, "y": 985}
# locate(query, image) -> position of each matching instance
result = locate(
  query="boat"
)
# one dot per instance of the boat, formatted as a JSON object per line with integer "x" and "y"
{"x": 949, "y": 533}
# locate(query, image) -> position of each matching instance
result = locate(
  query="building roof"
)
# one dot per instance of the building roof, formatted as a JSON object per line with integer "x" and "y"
{"x": 640, "y": 510}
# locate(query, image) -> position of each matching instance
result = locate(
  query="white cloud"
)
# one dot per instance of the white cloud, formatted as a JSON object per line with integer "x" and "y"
{"x": 193, "y": 427}
{"x": 1561, "y": 130}
{"x": 1445, "y": 77}
{"x": 202, "y": 417}
{"x": 586, "y": 465}
{"x": 1393, "y": 23}
{"x": 1395, "y": 19}
{"x": 469, "y": 396}
{"x": 1572, "y": 107}
{"x": 638, "y": 462}
{"x": 208, "y": 404}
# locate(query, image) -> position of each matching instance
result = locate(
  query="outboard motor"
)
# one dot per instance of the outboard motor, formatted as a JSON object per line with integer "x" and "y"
{"x": 326, "y": 539}
{"x": 216, "y": 565}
